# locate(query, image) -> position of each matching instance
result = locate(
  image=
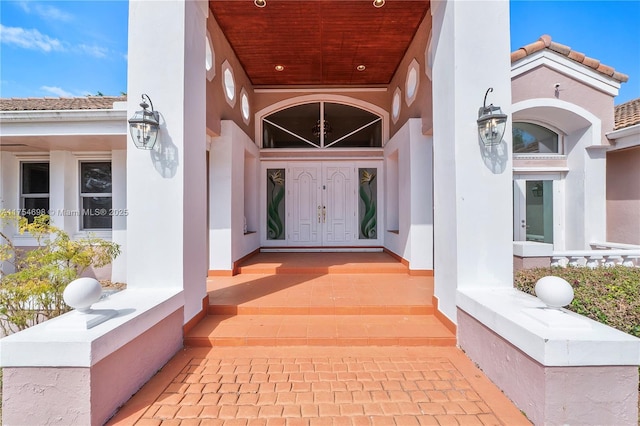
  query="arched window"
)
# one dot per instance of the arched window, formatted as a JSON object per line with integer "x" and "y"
{"x": 529, "y": 138}
{"x": 322, "y": 125}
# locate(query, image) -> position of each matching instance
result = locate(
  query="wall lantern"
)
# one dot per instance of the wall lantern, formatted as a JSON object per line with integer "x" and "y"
{"x": 144, "y": 125}
{"x": 491, "y": 122}
{"x": 537, "y": 190}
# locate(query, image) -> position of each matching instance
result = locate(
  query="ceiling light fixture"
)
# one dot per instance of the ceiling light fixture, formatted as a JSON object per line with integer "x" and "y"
{"x": 279, "y": 68}
{"x": 378, "y": 3}
{"x": 260, "y": 3}
{"x": 361, "y": 67}
{"x": 326, "y": 129}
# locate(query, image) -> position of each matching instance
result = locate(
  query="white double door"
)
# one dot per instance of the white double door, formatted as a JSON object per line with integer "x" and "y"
{"x": 322, "y": 204}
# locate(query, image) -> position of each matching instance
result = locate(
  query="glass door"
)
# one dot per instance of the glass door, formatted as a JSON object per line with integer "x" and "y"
{"x": 533, "y": 210}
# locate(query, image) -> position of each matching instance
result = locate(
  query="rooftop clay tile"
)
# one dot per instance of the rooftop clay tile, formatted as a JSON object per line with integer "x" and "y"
{"x": 57, "y": 104}
{"x": 545, "y": 42}
{"x": 627, "y": 114}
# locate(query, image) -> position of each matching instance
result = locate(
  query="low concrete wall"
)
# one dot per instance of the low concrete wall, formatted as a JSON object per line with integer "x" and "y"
{"x": 57, "y": 373}
{"x": 530, "y": 254}
{"x": 520, "y": 263}
{"x": 81, "y": 395}
{"x": 556, "y": 395}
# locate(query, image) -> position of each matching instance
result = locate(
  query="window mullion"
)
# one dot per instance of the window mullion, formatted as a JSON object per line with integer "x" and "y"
{"x": 321, "y": 124}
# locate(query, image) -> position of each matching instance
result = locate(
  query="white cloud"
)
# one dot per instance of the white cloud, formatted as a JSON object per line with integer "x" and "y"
{"x": 29, "y": 39}
{"x": 58, "y": 91}
{"x": 35, "y": 40}
{"x": 96, "y": 51}
{"x": 45, "y": 11}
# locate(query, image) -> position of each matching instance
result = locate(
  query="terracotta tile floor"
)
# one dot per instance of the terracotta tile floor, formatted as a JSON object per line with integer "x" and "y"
{"x": 396, "y": 364}
{"x": 319, "y": 386}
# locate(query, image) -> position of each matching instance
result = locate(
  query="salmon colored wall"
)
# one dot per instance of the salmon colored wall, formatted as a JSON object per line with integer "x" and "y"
{"x": 540, "y": 83}
{"x": 217, "y": 106}
{"x": 623, "y": 196}
{"x": 421, "y": 107}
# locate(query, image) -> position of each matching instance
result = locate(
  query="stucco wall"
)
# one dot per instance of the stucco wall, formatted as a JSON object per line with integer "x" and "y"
{"x": 540, "y": 83}
{"x": 217, "y": 106}
{"x": 623, "y": 196}
{"x": 88, "y": 396}
{"x": 233, "y": 195}
{"x": 584, "y": 395}
{"x": 409, "y": 171}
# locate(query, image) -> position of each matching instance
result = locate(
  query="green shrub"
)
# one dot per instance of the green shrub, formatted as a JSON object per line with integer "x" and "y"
{"x": 608, "y": 295}
{"x": 32, "y": 292}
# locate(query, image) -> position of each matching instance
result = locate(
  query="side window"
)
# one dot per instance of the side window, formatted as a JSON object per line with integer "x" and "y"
{"x": 34, "y": 189}
{"x": 95, "y": 195}
{"x": 529, "y": 138}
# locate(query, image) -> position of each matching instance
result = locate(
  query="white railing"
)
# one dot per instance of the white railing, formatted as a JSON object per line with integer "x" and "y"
{"x": 597, "y": 245}
{"x": 596, "y": 258}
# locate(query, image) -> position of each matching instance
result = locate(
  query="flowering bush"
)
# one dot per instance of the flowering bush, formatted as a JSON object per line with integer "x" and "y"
{"x": 32, "y": 291}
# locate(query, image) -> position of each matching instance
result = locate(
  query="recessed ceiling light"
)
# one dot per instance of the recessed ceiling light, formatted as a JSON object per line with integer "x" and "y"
{"x": 279, "y": 67}
{"x": 263, "y": 3}
{"x": 376, "y": 3}
{"x": 361, "y": 67}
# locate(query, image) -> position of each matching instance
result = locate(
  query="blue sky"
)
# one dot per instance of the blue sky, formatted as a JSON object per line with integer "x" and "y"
{"x": 63, "y": 48}
{"x": 75, "y": 48}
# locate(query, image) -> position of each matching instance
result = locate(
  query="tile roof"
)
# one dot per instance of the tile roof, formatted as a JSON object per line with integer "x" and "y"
{"x": 627, "y": 114}
{"x": 55, "y": 104}
{"x": 544, "y": 42}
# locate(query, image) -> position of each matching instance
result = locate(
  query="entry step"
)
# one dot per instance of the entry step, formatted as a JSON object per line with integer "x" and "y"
{"x": 320, "y": 330}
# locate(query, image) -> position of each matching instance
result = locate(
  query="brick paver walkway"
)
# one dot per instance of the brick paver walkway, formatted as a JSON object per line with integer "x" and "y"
{"x": 292, "y": 386}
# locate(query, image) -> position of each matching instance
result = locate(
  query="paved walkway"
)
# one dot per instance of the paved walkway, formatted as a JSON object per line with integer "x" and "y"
{"x": 317, "y": 386}
{"x": 315, "y": 339}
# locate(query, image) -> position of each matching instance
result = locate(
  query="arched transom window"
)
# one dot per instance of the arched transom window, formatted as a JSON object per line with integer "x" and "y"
{"x": 322, "y": 125}
{"x": 529, "y": 138}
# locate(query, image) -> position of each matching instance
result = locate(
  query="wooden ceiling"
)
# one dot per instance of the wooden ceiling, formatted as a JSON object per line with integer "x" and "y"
{"x": 319, "y": 42}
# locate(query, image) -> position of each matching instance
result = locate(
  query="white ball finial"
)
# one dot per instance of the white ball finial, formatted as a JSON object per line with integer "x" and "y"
{"x": 555, "y": 292}
{"x": 80, "y": 294}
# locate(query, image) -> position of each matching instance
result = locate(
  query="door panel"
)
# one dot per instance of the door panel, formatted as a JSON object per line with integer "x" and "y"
{"x": 303, "y": 209}
{"x": 321, "y": 208}
{"x": 339, "y": 203}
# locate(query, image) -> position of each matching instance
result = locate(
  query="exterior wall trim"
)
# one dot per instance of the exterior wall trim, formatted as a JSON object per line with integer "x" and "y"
{"x": 567, "y": 67}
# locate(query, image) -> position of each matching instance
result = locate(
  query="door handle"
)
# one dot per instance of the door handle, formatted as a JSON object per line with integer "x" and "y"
{"x": 319, "y": 214}
{"x": 324, "y": 214}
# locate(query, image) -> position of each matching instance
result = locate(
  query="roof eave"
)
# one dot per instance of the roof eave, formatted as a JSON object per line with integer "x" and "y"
{"x": 568, "y": 67}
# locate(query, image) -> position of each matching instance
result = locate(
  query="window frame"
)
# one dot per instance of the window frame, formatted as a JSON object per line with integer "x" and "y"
{"x": 82, "y": 195}
{"x": 322, "y": 144}
{"x": 560, "y": 135}
{"x": 229, "y": 88}
{"x": 23, "y": 196}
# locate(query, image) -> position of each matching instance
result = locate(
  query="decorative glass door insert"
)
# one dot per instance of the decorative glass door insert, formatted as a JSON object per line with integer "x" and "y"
{"x": 276, "y": 204}
{"x": 368, "y": 192}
